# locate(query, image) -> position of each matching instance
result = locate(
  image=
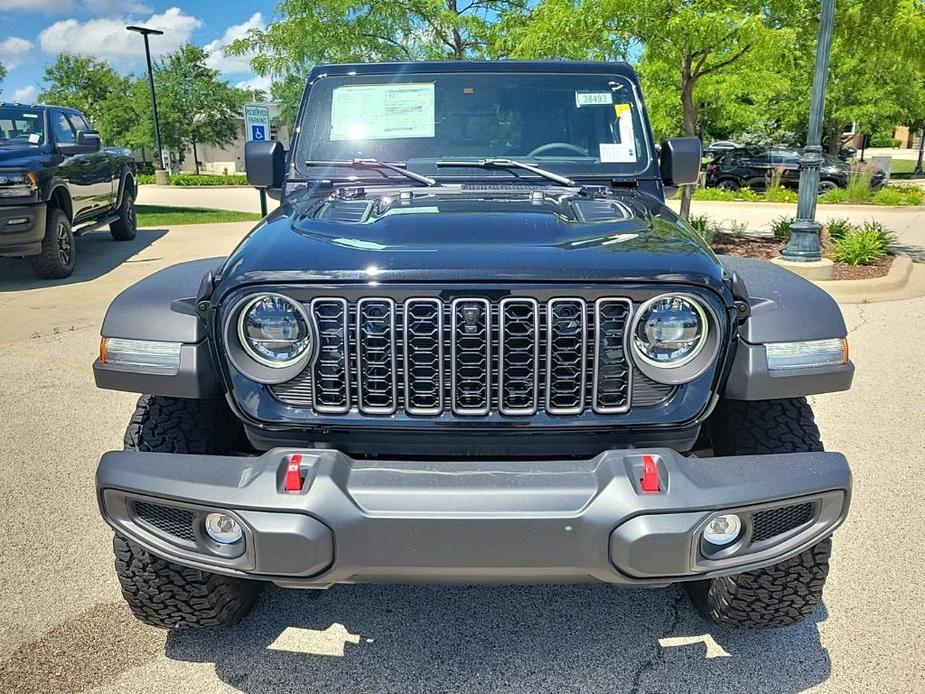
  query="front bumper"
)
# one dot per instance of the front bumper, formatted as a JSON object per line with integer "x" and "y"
{"x": 474, "y": 521}
{"x": 22, "y": 228}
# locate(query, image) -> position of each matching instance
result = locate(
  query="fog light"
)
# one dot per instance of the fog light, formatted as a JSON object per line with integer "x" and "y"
{"x": 722, "y": 530}
{"x": 224, "y": 529}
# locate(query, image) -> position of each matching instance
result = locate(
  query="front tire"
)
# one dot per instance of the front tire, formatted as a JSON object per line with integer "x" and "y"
{"x": 126, "y": 227}
{"x": 788, "y": 592}
{"x": 159, "y": 592}
{"x": 57, "y": 259}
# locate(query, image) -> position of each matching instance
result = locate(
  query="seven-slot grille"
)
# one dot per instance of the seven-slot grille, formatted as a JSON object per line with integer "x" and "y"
{"x": 470, "y": 356}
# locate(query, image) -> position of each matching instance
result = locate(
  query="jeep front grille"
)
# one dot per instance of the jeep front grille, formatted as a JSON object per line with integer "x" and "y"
{"x": 471, "y": 356}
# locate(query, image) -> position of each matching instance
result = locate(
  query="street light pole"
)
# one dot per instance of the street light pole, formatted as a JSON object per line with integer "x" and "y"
{"x": 145, "y": 32}
{"x": 804, "y": 243}
{"x": 918, "y": 164}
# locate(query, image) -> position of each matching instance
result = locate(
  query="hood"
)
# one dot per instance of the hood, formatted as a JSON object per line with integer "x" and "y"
{"x": 17, "y": 156}
{"x": 478, "y": 233}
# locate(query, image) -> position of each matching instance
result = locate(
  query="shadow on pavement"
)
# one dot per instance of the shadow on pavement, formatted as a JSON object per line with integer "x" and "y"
{"x": 585, "y": 638}
{"x": 97, "y": 254}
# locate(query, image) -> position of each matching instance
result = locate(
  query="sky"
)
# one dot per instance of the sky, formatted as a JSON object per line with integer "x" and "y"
{"x": 33, "y": 32}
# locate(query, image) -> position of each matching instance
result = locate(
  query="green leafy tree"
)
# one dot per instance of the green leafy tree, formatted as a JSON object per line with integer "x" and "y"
{"x": 336, "y": 31}
{"x": 682, "y": 44}
{"x": 96, "y": 89}
{"x": 2, "y": 73}
{"x": 195, "y": 105}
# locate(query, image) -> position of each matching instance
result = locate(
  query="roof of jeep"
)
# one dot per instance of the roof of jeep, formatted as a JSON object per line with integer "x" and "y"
{"x": 461, "y": 66}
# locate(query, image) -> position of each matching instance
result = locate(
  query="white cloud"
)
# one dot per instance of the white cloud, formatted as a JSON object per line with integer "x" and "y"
{"x": 13, "y": 50}
{"x": 25, "y": 95}
{"x": 232, "y": 64}
{"x": 107, "y": 37}
{"x": 48, "y": 6}
{"x": 261, "y": 83}
{"x": 104, "y": 7}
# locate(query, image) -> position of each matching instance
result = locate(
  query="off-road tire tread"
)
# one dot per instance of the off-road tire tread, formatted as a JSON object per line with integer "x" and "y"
{"x": 181, "y": 425}
{"x": 170, "y": 596}
{"x": 47, "y": 264}
{"x": 161, "y": 593}
{"x": 776, "y": 596}
{"x": 758, "y": 427}
{"x": 785, "y": 593}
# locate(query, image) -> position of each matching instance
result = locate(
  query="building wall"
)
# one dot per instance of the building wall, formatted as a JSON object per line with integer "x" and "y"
{"x": 230, "y": 159}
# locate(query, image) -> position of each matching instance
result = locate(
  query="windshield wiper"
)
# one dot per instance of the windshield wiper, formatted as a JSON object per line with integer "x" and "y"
{"x": 511, "y": 164}
{"x": 376, "y": 164}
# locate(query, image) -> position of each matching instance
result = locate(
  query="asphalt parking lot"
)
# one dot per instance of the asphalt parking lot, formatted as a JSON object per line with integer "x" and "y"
{"x": 63, "y": 626}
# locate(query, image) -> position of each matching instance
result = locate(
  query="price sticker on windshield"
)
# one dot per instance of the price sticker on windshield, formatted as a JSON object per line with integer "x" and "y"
{"x": 593, "y": 99}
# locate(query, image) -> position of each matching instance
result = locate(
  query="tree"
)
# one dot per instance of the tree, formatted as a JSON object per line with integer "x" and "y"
{"x": 309, "y": 32}
{"x": 682, "y": 43}
{"x": 96, "y": 89}
{"x": 2, "y": 73}
{"x": 875, "y": 76}
{"x": 197, "y": 107}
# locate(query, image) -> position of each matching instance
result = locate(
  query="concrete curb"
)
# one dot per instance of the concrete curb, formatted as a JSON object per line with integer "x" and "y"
{"x": 792, "y": 205}
{"x": 905, "y": 280}
{"x": 170, "y": 187}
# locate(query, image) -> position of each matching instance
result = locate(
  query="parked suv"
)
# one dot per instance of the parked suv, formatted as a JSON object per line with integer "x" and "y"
{"x": 473, "y": 345}
{"x": 753, "y": 168}
{"x": 57, "y": 182}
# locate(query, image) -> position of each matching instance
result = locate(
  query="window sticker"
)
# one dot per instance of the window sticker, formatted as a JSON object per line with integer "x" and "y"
{"x": 34, "y": 138}
{"x": 617, "y": 153}
{"x": 382, "y": 111}
{"x": 30, "y": 115}
{"x": 593, "y": 99}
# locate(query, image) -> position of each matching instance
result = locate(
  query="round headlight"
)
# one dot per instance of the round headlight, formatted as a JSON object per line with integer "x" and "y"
{"x": 670, "y": 331}
{"x": 274, "y": 330}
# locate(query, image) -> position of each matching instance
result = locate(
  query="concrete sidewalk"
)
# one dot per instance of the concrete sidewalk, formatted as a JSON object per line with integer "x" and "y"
{"x": 238, "y": 198}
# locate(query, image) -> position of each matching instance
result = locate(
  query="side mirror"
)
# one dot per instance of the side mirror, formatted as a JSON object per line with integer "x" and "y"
{"x": 89, "y": 140}
{"x": 265, "y": 163}
{"x": 680, "y": 160}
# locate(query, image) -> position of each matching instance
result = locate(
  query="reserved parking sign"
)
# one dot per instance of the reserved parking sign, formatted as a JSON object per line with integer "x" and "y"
{"x": 256, "y": 122}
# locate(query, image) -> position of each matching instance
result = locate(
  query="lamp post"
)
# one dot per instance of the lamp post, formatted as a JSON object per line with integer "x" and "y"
{"x": 804, "y": 246}
{"x": 159, "y": 162}
{"x": 918, "y": 164}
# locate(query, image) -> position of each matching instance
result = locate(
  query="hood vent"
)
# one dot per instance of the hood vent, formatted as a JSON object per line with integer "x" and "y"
{"x": 600, "y": 211}
{"x": 497, "y": 186}
{"x": 346, "y": 211}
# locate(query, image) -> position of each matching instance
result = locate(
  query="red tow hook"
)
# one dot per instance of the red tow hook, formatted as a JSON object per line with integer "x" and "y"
{"x": 650, "y": 481}
{"x": 294, "y": 473}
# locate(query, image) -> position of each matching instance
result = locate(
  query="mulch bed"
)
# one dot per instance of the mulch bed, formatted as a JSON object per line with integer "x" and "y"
{"x": 763, "y": 248}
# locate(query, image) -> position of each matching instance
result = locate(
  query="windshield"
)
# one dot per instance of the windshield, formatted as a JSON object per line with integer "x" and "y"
{"x": 21, "y": 126}
{"x": 572, "y": 124}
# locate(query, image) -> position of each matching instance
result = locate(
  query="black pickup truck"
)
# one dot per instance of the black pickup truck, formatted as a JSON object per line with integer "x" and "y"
{"x": 57, "y": 182}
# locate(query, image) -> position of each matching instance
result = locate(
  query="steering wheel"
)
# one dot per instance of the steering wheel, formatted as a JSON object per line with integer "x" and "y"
{"x": 542, "y": 149}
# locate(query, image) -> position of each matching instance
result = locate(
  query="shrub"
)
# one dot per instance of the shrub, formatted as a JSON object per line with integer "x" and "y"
{"x": 780, "y": 226}
{"x": 208, "y": 180}
{"x": 704, "y": 226}
{"x": 899, "y": 195}
{"x": 858, "y": 188}
{"x": 834, "y": 196}
{"x": 780, "y": 194}
{"x": 737, "y": 228}
{"x": 146, "y": 167}
{"x": 884, "y": 140}
{"x": 143, "y": 178}
{"x": 884, "y": 236}
{"x": 746, "y": 194}
{"x": 838, "y": 228}
{"x": 714, "y": 194}
{"x": 859, "y": 247}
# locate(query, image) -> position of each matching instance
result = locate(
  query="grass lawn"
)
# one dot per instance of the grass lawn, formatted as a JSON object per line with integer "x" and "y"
{"x": 902, "y": 166}
{"x": 162, "y": 215}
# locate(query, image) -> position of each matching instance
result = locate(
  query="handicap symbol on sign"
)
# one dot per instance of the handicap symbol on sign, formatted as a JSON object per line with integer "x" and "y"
{"x": 258, "y": 132}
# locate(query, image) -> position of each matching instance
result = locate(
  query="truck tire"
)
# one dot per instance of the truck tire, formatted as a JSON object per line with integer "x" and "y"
{"x": 785, "y": 593}
{"x": 56, "y": 261}
{"x": 125, "y": 228}
{"x": 159, "y": 592}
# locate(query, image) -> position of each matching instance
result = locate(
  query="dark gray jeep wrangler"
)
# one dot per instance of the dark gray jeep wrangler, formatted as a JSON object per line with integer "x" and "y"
{"x": 473, "y": 345}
